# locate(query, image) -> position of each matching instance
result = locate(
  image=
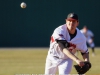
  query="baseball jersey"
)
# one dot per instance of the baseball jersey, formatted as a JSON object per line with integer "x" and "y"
{"x": 61, "y": 33}
{"x": 87, "y": 34}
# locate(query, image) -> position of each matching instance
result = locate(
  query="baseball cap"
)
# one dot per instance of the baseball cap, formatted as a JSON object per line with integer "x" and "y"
{"x": 72, "y": 16}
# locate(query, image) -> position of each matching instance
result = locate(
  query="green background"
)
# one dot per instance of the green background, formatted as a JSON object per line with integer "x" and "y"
{"x": 33, "y": 26}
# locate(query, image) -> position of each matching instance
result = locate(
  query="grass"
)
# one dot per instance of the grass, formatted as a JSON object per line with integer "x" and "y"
{"x": 28, "y": 61}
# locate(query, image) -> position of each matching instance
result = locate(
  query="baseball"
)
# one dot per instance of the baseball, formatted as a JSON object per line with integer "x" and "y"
{"x": 23, "y": 5}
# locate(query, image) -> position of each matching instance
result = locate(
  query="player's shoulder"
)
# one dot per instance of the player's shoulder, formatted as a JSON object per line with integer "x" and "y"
{"x": 80, "y": 34}
{"x": 90, "y": 31}
{"x": 60, "y": 28}
{"x": 81, "y": 30}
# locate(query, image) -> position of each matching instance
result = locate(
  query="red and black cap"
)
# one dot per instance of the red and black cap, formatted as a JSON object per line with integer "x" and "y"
{"x": 72, "y": 16}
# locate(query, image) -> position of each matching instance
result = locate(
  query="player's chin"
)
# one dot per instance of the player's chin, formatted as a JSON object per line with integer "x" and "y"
{"x": 72, "y": 28}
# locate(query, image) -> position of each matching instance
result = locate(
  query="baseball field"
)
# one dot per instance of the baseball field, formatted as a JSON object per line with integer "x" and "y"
{"x": 31, "y": 61}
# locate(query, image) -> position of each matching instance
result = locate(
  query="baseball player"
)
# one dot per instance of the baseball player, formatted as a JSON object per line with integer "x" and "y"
{"x": 65, "y": 40}
{"x": 89, "y": 38}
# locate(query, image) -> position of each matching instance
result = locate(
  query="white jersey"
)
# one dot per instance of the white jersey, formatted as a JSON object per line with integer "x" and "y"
{"x": 61, "y": 33}
{"x": 87, "y": 34}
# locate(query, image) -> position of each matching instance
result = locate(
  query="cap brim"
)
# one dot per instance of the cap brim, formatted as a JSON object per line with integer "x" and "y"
{"x": 71, "y": 19}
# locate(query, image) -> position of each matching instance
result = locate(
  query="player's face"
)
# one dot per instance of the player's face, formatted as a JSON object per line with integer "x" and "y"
{"x": 85, "y": 29}
{"x": 71, "y": 24}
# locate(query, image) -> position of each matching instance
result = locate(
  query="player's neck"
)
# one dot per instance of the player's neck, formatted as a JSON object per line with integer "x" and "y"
{"x": 71, "y": 31}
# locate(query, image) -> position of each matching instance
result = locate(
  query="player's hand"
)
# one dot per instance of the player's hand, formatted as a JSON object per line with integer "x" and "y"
{"x": 79, "y": 62}
{"x": 90, "y": 41}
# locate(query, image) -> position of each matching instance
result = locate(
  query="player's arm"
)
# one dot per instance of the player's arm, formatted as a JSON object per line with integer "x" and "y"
{"x": 85, "y": 56}
{"x": 84, "y": 51}
{"x": 91, "y": 35}
{"x": 64, "y": 46}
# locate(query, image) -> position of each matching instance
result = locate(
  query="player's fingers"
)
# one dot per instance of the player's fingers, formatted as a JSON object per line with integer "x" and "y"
{"x": 81, "y": 64}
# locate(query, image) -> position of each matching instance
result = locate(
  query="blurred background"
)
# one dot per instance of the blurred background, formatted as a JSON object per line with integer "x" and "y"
{"x": 33, "y": 26}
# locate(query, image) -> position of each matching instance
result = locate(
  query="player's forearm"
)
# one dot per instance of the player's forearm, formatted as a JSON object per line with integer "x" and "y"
{"x": 67, "y": 52}
{"x": 86, "y": 57}
{"x": 70, "y": 55}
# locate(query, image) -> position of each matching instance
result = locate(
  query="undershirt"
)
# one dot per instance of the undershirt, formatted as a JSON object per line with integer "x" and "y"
{"x": 73, "y": 35}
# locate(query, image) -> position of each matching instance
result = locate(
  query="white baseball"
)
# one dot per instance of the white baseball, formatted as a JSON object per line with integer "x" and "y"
{"x": 23, "y": 5}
